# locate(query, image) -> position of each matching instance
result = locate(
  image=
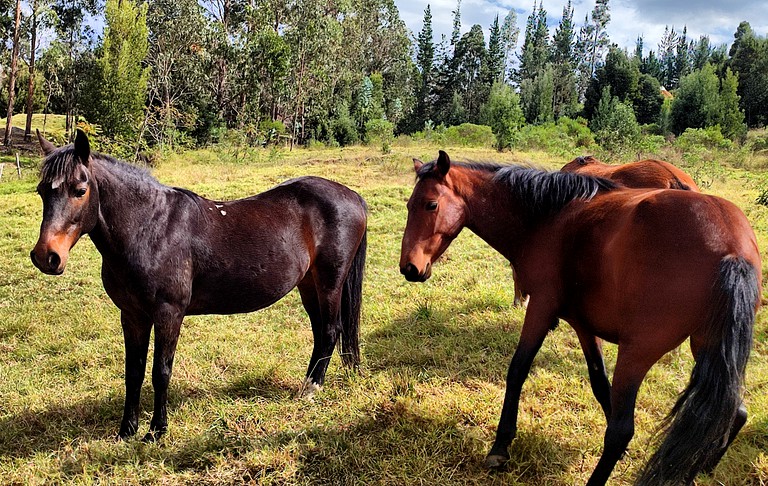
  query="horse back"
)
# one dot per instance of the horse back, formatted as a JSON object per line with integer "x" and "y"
{"x": 253, "y": 251}
{"x": 647, "y": 259}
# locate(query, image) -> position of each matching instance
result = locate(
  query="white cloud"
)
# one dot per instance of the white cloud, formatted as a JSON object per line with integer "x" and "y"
{"x": 629, "y": 18}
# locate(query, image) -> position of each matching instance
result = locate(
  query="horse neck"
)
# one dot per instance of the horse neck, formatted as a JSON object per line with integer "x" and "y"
{"x": 492, "y": 213}
{"x": 130, "y": 206}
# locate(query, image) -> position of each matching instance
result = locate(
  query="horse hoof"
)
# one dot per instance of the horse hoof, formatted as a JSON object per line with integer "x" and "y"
{"x": 495, "y": 461}
{"x": 308, "y": 390}
{"x": 152, "y": 436}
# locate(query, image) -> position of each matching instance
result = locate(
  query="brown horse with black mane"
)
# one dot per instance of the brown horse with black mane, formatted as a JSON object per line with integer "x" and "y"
{"x": 650, "y": 173}
{"x": 645, "y": 269}
{"x": 168, "y": 253}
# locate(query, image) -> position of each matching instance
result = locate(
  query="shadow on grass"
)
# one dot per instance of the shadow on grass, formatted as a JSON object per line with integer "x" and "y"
{"x": 433, "y": 340}
{"x": 391, "y": 444}
{"x": 29, "y": 432}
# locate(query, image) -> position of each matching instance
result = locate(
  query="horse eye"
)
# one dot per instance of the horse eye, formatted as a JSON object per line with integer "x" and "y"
{"x": 431, "y": 205}
{"x": 80, "y": 192}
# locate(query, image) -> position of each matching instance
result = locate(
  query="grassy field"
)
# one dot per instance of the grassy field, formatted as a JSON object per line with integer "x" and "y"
{"x": 422, "y": 409}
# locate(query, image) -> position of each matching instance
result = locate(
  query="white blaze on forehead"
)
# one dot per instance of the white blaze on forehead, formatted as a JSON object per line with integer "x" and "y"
{"x": 223, "y": 213}
{"x": 57, "y": 182}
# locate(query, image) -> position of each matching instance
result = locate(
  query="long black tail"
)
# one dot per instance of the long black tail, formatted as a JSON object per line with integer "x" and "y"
{"x": 698, "y": 426}
{"x": 351, "y": 303}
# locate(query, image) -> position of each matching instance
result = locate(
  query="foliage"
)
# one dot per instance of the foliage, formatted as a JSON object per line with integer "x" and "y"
{"x": 614, "y": 124}
{"x": 503, "y": 114}
{"x": 703, "y": 138}
{"x": 380, "y": 132}
{"x": 566, "y": 138}
{"x": 121, "y": 79}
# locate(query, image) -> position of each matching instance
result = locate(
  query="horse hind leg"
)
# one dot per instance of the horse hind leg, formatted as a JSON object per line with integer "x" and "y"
{"x": 322, "y": 306}
{"x": 598, "y": 378}
{"x": 631, "y": 369}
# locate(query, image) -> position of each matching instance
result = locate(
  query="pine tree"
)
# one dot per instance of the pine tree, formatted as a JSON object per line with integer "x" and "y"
{"x": 535, "y": 51}
{"x": 667, "y": 54}
{"x": 493, "y": 64}
{"x": 682, "y": 58}
{"x": 700, "y": 53}
{"x": 563, "y": 58}
{"x": 425, "y": 59}
{"x": 456, "y": 32}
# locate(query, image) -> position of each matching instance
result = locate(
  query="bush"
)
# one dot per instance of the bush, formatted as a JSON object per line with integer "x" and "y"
{"x": 561, "y": 138}
{"x": 503, "y": 114}
{"x": 270, "y": 131}
{"x": 702, "y": 138}
{"x": 614, "y": 124}
{"x": 469, "y": 135}
{"x": 380, "y": 131}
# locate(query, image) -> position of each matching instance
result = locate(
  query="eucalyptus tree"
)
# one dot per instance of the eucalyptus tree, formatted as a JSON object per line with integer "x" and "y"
{"x": 73, "y": 32}
{"x": 592, "y": 43}
{"x": 180, "y": 69}
{"x": 509, "y": 35}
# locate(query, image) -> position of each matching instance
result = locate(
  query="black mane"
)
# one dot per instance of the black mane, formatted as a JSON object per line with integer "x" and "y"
{"x": 545, "y": 192}
{"x": 60, "y": 166}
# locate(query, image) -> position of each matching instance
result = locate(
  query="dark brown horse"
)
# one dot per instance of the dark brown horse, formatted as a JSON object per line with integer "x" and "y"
{"x": 167, "y": 253}
{"x": 649, "y": 173}
{"x": 645, "y": 269}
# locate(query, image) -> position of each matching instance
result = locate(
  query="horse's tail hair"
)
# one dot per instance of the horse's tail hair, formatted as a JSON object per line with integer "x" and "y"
{"x": 351, "y": 303}
{"x": 698, "y": 427}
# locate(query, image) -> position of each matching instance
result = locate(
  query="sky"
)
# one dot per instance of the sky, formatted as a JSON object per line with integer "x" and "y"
{"x": 629, "y": 18}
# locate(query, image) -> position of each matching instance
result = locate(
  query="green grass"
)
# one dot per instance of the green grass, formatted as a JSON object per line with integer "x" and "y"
{"x": 422, "y": 410}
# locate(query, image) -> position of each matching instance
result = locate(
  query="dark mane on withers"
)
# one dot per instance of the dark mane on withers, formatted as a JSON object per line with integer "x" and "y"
{"x": 547, "y": 192}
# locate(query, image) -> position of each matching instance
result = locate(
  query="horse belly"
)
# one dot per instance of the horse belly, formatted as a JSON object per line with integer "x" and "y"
{"x": 247, "y": 288}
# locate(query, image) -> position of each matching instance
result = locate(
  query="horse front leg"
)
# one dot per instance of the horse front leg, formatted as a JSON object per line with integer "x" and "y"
{"x": 136, "y": 333}
{"x": 167, "y": 327}
{"x": 537, "y": 323}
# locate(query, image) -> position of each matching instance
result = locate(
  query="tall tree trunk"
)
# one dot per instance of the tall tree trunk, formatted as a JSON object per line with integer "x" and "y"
{"x": 31, "y": 86}
{"x": 12, "y": 78}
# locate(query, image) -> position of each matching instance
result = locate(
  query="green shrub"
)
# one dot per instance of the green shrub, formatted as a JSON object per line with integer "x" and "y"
{"x": 564, "y": 138}
{"x": 380, "y": 131}
{"x": 270, "y": 130}
{"x": 702, "y": 138}
{"x": 469, "y": 135}
{"x": 503, "y": 114}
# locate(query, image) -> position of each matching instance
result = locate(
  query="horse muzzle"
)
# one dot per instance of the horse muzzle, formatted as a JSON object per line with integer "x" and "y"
{"x": 50, "y": 262}
{"x": 412, "y": 273}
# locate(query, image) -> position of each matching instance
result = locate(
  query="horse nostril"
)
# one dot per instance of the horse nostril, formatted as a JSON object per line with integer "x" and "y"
{"x": 408, "y": 269}
{"x": 53, "y": 260}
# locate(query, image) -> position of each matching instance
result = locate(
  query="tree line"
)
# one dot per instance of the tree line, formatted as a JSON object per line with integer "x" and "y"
{"x": 187, "y": 72}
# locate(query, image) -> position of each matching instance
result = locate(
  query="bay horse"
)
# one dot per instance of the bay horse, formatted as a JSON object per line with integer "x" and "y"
{"x": 648, "y": 173}
{"x": 168, "y": 253}
{"x": 645, "y": 269}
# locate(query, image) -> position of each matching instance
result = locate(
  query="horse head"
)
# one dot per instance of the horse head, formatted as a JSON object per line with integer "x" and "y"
{"x": 436, "y": 215}
{"x": 70, "y": 202}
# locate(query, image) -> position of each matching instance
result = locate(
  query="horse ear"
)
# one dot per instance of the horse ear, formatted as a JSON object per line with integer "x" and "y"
{"x": 82, "y": 147}
{"x": 417, "y": 164}
{"x": 443, "y": 163}
{"x": 47, "y": 146}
